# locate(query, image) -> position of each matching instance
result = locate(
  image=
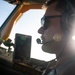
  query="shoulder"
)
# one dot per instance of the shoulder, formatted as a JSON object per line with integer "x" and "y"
{"x": 70, "y": 70}
{"x": 66, "y": 67}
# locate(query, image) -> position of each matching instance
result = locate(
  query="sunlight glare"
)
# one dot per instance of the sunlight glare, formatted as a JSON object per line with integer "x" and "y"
{"x": 73, "y": 37}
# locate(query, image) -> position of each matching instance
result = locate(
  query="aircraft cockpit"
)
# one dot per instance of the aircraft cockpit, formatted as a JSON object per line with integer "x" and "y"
{"x": 16, "y": 44}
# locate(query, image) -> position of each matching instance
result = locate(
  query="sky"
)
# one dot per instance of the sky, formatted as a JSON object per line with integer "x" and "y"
{"x": 5, "y": 10}
{"x": 28, "y": 24}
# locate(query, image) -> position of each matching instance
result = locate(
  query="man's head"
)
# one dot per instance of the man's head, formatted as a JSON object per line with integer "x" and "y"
{"x": 67, "y": 10}
{"x": 57, "y": 24}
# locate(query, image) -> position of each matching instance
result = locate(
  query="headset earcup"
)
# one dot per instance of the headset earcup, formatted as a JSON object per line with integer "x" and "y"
{"x": 67, "y": 21}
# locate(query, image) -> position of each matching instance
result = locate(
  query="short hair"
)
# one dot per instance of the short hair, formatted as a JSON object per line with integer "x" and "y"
{"x": 66, "y": 8}
{"x": 61, "y": 5}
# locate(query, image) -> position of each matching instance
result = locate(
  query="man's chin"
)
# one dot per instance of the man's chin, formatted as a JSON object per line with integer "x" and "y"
{"x": 47, "y": 49}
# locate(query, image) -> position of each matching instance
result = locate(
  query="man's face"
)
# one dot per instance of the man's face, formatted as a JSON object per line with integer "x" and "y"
{"x": 51, "y": 29}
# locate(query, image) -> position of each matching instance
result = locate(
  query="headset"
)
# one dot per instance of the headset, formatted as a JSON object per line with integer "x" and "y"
{"x": 68, "y": 18}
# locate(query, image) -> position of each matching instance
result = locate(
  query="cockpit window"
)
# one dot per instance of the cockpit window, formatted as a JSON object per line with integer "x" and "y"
{"x": 27, "y": 23}
{"x": 5, "y": 10}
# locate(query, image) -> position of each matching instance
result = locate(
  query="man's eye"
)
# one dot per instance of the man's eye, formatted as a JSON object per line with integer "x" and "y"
{"x": 46, "y": 24}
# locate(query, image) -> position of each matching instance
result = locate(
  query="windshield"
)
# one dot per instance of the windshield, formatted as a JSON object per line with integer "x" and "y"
{"x": 27, "y": 24}
{"x": 5, "y": 10}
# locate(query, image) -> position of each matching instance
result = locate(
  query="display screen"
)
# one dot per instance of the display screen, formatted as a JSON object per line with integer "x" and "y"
{"x": 22, "y": 48}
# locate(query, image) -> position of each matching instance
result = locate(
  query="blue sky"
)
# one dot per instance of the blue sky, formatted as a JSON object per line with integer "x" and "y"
{"x": 5, "y": 10}
{"x": 28, "y": 24}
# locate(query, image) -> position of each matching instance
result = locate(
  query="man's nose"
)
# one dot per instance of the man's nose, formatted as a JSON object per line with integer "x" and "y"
{"x": 41, "y": 30}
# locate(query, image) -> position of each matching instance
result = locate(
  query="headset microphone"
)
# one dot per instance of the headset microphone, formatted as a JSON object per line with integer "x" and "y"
{"x": 39, "y": 41}
{"x": 56, "y": 38}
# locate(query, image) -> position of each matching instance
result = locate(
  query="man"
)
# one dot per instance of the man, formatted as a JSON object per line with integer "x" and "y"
{"x": 56, "y": 33}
